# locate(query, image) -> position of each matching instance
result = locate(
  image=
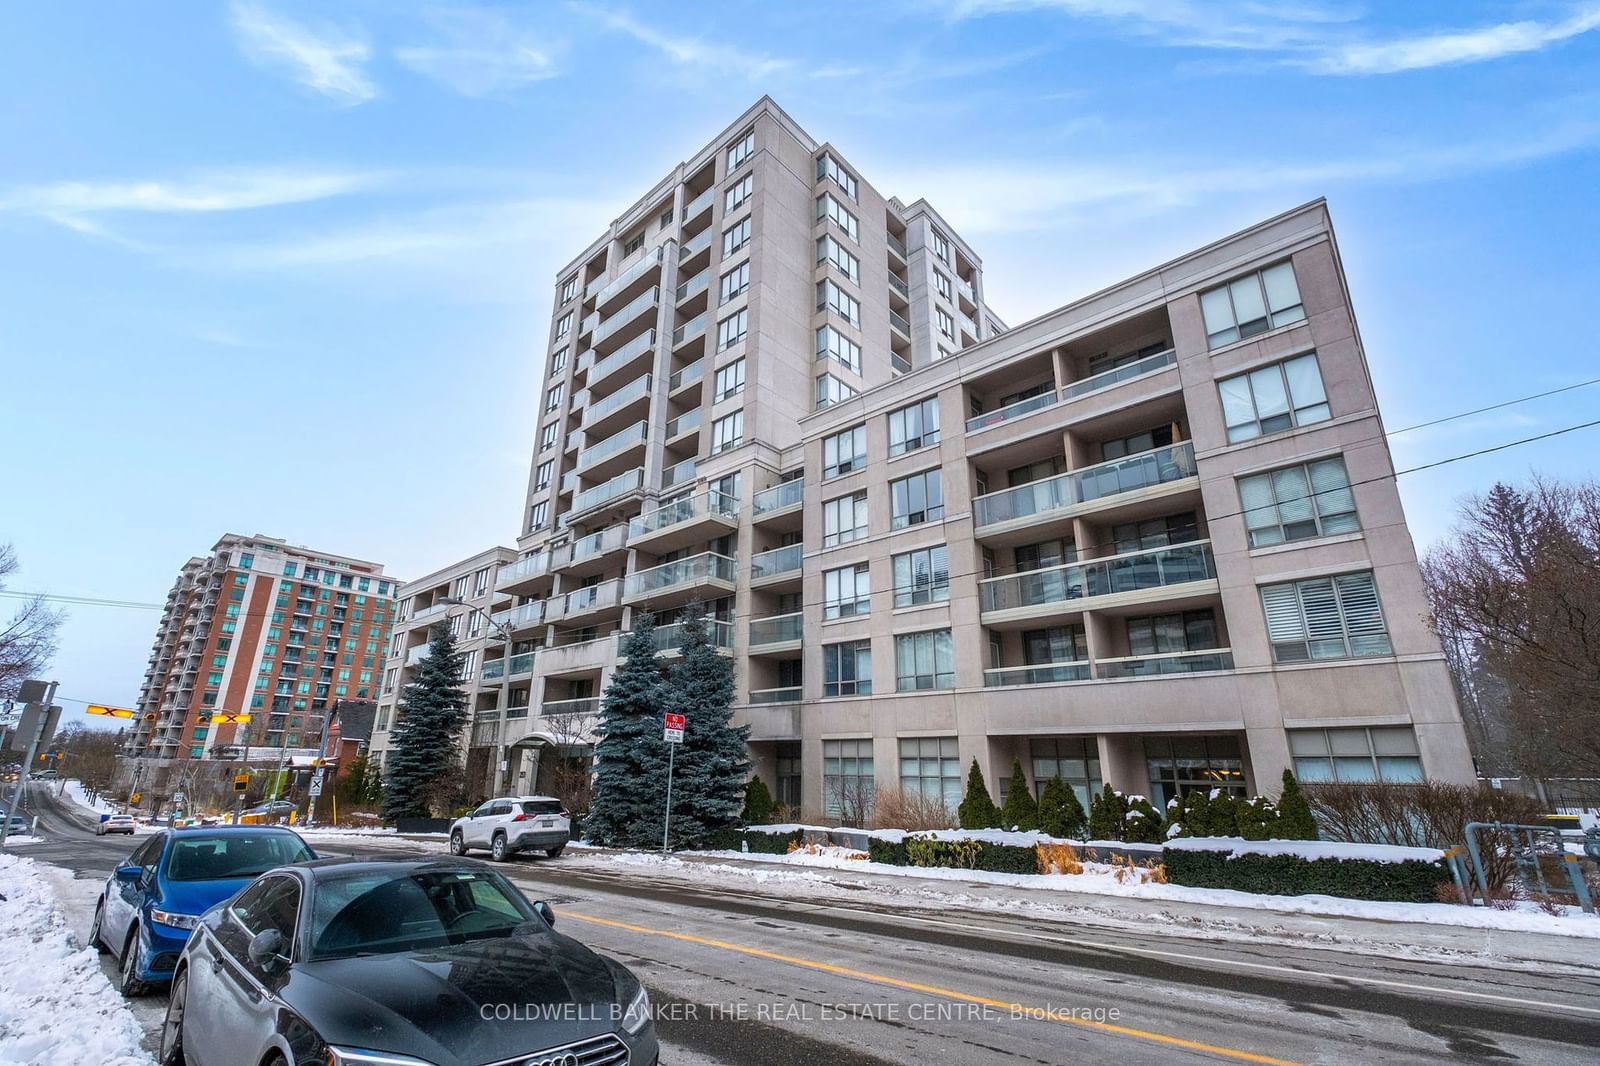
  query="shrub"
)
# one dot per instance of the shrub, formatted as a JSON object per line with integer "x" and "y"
{"x": 953, "y": 854}
{"x": 751, "y": 840}
{"x": 898, "y": 808}
{"x": 1413, "y": 881}
{"x": 1222, "y": 815}
{"x": 1143, "y": 824}
{"x": 1187, "y": 814}
{"x": 758, "y": 805}
{"x": 892, "y": 852}
{"x": 1295, "y": 821}
{"x": 1057, "y": 858}
{"x": 1257, "y": 818}
{"x": 1060, "y": 813}
{"x": 977, "y": 810}
{"x": 1021, "y": 811}
{"x": 1006, "y": 859}
{"x": 1107, "y": 811}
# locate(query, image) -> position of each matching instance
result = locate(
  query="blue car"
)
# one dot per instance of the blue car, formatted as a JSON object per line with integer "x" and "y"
{"x": 155, "y": 898}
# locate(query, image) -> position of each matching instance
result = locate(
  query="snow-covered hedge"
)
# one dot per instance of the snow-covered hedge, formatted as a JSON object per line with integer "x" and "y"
{"x": 1307, "y": 867}
{"x": 762, "y": 839}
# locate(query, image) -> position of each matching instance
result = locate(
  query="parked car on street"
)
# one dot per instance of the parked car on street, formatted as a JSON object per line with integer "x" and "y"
{"x": 19, "y": 824}
{"x": 511, "y": 824}
{"x": 155, "y": 898}
{"x": 273, "y": 808}
{"x": 115, "y": 823}
{"x": 403, "y": 963}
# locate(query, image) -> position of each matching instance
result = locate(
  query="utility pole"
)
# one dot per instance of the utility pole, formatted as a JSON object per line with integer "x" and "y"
{"x": 503, "y": 631}
{"x": 27, "y": 762}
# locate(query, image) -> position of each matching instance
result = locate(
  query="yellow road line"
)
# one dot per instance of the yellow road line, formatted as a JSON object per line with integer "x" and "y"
{"x": 933, "y": 990}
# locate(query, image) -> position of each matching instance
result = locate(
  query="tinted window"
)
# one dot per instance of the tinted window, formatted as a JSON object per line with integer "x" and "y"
{"x": 218, "y": 858}
{"x": 148, "y": 855}
{"x": 270, "y": 904}
{"x": 541, "y": 806}
{"x": 380, "y": 912}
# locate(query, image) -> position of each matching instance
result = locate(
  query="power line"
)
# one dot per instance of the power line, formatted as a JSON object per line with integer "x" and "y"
{"x": 1495, "y": 407}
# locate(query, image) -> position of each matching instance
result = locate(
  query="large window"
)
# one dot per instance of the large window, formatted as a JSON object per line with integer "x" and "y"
{"x": 922, "y": 576}
{"x": 563, "y": 325}
{"x": 727, "y": 432}
{"x": 1298, "y": 502}
{"x": 543, "y": 475}
{"x": 547, "y": 435}
{"x": 931, "y": 767}
{"x": 558, "y": 362}
{"x": 846, "y": 592}
{"x": 1155, "y": 532}
{"x": 730, "y": 331}
{"x": 914, "y": 427}
{"x": 734, "y": 282}
{"x": 1186, "y": 763}
{"x": 738, "y": 193}
{"x": 941, "y": 247}
{"x": 735, "y": 237}
{"x": 1274, "y": 398}
{"x": 844, "y": 519}
{"x": 1180, "y": 631}
{"x": 831, "y": 297}
{"x": 828, "y": 167}
{"x": 829, "y": 208}
{"x": 831, "y": 251}
{"x": 569, "y": 288}
{"x": 741, "y": 149}
{"x": 844, "y": 453}
{"x": 1325, "y": 618}
{"x": 730, "y": 379}
{"x": 1136, "y": 443}
{"x": 847, "y": 785}
{"x": 1076, "y": 760}
{"x": 552, "y": 399}
{"x": 830, "y": 390}
{"x": 847, "y": 668}
{"x": 1252, "y": 304}
{"x": 947, "y": 325}
{"x": 941, "y": 282}
{"x": 831, "y": 344}
{"x": 916, "y": 499}
{"x": 924, "y": 661}
{"x": 1056, "y": 644}
{"x": 1377, "y": 753}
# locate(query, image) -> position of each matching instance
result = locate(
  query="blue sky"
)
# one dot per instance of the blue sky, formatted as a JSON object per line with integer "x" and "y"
{"x": 247, "y": 249}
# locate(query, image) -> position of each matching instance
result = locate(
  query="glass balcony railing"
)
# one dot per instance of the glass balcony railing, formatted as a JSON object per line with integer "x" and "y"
{"x": 687, "y": 375}
{"x": 775, "y": 563}
{"x": 518, "y": 665}
{"x": 718, "y": 635}
{"x": 606, "y": 540}
{"x": 690, "y": 329}
{"x": 651, "y": 261}
{"x": 561, "y": 708}
{"x": 684, "y": 423}
{"x": 969, "y": 325}
{"x": 896, "y": 244}
{"x": 694, "y": 285}
{"x": 1013, "y": 410}
{"x": 620, "y": 485}
{"x": 699, "y": 203}
{"x": 593, "y": 598}
{"x": 494, "y": 669}
{"x": 642, "y": 343}
{"x": 966, "y": 290}
{"x": 637, "y": 390}
{"x": 898, "y": 321}
{"x": 777, "y": 629}
{"x": 1040, "y": 674}
{"x": 900, "y": 363}
{"x": 775, "y": 695}
{"x": 1157, "y": 467}
{"x": 695, "y": 570}
{"x": 688, "y": 509}
{"x": 1152, "y": 568}
{"x": 695, "y": 245}
{"x": 529, "y": 614}
{"x": 635, "y": 434}
{"x": 1183, "y": 662}
{"x": 629, "y": 311}
{"x": 1148, "y": 365}
{"x": 779, "y": 497}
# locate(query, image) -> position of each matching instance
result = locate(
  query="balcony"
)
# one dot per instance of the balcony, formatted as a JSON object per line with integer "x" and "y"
{"x": 685, "y": 521}
{"x": 899, "y": 287}
{"x": 613, "y": 289}
{"x": 1013, "y": 411}
{"x": 591, "y": 600}
{"x": 584, "y": 657}
{"x": 669, "y": 639}
{"x": 901, "y": 326}
{"x": 682, "y": 426}
{"x": 523, "y": 617}
{"x": 691, "y": 329}
{"x": 679, "y": 473}
{"x": 494, "y": 669}
{"x": 777, "y": 633}
{"x": 519, "y": 665}
{"x": 417, "y": 654}
{"x": 682, "y": 579}
{"x": 900, "y": 363}
{"x": 1169, "y": 469}
{"x": 767, "y": 696}
{"x": 1040, "y": 674}
{"x": 523, "y": 570}
{"x": 587, "y": 707}
{"x": 691, "y": 249}
{"x": 588, "y": 554}
{"x": 613, "y": 448}
{"x": 694, "y": 286}
{"x": 779, "y": 564}
{"x": 1117, "y": 375}
{"x": 609, "y": 492}
{"x": 642, "y": 345}
{"x": 686, "y": 376}
{"x": 785, "y": 498}
{"x": 1164, "y": 575}
{"x": 598, "y": 416}
{"x": 694, "y": 208}
{"x": 629, "y": 313}
{"x": 1181, "y": 662}
{"x": 897, "y": 247}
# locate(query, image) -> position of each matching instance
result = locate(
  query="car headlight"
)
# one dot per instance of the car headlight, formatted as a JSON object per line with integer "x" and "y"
{"x": 637, "y": 1016}
{"x": 353, "y": 1056}
{"x": 172, "y": 918}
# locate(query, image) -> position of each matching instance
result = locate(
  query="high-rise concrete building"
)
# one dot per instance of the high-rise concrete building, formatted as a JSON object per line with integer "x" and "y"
{"x": 263, "y": 627}
{"x": 1151, "y": 538}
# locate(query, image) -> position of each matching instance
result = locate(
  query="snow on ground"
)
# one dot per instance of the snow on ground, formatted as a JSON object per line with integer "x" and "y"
{"x": 55, "y": 1002}
{"x": 19, "y": 838}
{"x": 1307, "y": 849}
{"x": 76, "y": 794}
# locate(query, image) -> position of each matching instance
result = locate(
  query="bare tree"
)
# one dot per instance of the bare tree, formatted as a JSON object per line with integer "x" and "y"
{"x": 90, "y": 755}
{"x": 1515, "y": 593}
{"x": 28, "y": 640}
{"x": 571, "y": 775}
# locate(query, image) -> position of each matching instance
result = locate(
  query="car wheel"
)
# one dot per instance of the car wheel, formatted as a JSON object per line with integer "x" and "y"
{"x": 128, "y": 982}
{"x": 94, "y": 931}
{"x": 457, "y": 845}
{"x": 497, "y": 850}
{"x": 555, "y": 852}
{"x": 172, "y": 1025}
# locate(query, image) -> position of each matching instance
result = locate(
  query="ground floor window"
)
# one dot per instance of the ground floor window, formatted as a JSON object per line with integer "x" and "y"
{"x": 788, "y": 774}
{"x": 847, "y": 787}
{"x": 1076, "y": 760}
{"x": 931, "y": 767}
{"x": 1387, "y": 753}
{"x": 1183, "y": 764}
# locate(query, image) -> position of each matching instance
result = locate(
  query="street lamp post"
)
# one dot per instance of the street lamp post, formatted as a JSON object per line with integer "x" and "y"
{"x": 503, "y": 631}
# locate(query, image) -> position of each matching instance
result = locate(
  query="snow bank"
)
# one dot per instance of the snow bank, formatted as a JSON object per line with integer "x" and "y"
{"x": 1307, "y": 849}
{"x": 55, "y": 1002}
{"x": 987, "y": 836}
{"x": 77, "y": 795}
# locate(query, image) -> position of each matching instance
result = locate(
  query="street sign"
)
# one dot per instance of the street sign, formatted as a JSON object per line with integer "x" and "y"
{"x": 674, "y": 728}
{"x": 241, "y": 782}
{"x": 135, "y": 798}
{"x": 110, "y": 712}
{"x": 316, "y": 784}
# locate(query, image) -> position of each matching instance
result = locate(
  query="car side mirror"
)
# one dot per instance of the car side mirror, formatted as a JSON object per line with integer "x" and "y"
{"x": 544, "y": 911}
{"x": 266, "y": 950}
{"x": 130, "y": 874}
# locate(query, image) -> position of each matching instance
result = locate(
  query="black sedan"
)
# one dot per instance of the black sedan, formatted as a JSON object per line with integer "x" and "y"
{"x": 401, "y": 964}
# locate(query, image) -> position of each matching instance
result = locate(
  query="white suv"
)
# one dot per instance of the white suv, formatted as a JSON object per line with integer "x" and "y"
{"x": 511, "y": 824}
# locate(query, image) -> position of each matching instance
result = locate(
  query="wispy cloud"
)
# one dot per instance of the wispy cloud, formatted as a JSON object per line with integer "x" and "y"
{"x": 1232, "y": 24}
{"x": 1454, "y": 47}
{"x": 330, "y": 60}
{"x": 482, "y": 52}
{"x": 711, "y": 56}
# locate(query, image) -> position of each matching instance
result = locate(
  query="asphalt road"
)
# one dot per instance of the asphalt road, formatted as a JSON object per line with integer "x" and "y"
{"x": 745, "y": 976}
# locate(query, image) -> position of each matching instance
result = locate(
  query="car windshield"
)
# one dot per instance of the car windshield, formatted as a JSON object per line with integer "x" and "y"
{"x": 218, "y": 858}
{"x": 379, "y": 912}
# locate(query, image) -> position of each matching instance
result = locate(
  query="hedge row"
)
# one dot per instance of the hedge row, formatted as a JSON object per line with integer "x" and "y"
{"x": 955, "y": 855}
{"x": 754, "y": 839}
{"x": 1413, "y": 881}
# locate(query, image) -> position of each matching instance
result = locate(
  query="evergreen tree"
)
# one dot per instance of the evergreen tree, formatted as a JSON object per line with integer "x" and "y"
{"x": 351, "y": 787}
{"x": 1257, "y": 818}
{"x": 758, "y": 805}
{"x": 1107, "y": 811}
{"x": 1021, "y": 811}
{"x": 423, "y": 757}
{"x": 1222, "y": 814}
{"x": 630, "y": 755}
{"x": 1060, "y": 813}
{"x": 1193, "y": 814}
{"x": 711, "y": 764}
{"x": 977, "y": 810}
{"x": 1143, "y": 824}
{"x": 1295, "y": 820}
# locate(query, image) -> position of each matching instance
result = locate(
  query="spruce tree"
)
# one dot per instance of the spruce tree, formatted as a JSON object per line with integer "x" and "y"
{"x": 630, "y": 754}
{"x": 711, "y": 764}
{"x": 1060, "y": 813}
{"x": 423, "y": 759}
{"x": 1021, "y": 811}
{"x": 1143, "y": 823}
{"x": 758, "y": 805}
{"x": 1295, "y": 820}
{"x": 1107, "y": 812}
{"x": 977, "y": 810}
